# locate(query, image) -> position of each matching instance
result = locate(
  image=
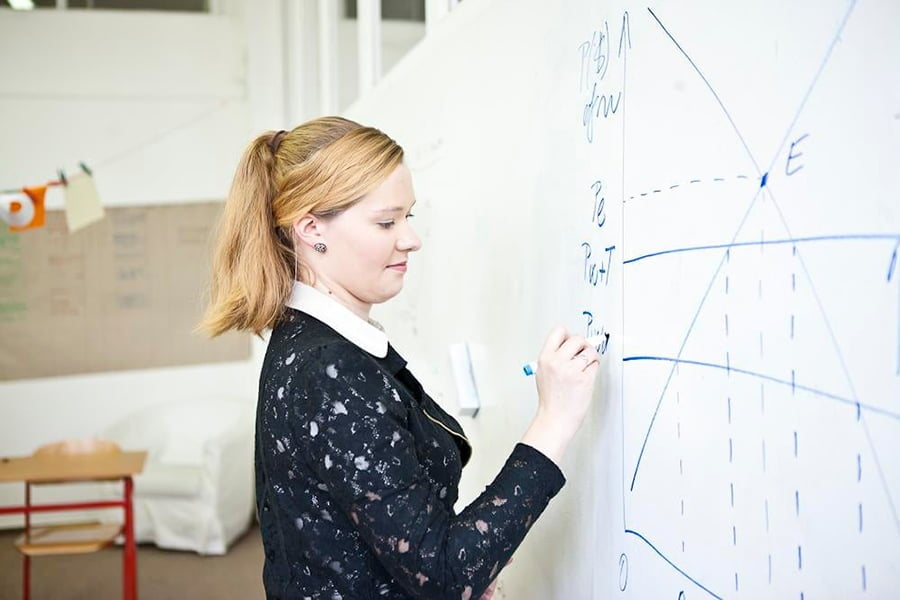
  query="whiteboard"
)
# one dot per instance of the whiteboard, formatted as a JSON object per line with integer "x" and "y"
{"x": 715, "y": 185}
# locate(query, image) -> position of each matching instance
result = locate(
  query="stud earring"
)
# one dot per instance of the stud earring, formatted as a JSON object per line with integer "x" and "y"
{"x": 320, "y": 247}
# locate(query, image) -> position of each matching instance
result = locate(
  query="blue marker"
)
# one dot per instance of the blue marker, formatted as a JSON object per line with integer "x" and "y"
{"x": 596, "y": 341}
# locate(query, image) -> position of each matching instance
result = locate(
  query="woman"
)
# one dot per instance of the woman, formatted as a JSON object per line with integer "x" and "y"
{"x": 357, "y": 468}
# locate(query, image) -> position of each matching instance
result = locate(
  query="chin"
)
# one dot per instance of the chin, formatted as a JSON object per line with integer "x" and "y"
{"x": 384, "y": 295}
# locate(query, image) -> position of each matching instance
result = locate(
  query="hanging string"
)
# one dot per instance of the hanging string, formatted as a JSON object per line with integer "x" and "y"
{"x": 141, "y": 145}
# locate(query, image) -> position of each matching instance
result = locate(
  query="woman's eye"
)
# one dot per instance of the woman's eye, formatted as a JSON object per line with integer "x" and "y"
{"x": 410, "y": 216}
{"x": 386, "y": 224}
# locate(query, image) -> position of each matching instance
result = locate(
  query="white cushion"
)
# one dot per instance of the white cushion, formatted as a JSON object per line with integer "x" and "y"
{"x": 169, "y": 480}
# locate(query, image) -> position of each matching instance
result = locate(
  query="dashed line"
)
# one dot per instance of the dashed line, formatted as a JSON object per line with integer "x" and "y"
{"x": 692, "y": 181}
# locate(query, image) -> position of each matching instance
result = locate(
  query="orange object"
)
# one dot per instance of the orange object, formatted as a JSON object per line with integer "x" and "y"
{"x": 37, "y": 198}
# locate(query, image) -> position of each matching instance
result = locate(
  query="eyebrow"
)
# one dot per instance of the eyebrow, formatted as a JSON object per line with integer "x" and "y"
{"x": 393, "y": 209}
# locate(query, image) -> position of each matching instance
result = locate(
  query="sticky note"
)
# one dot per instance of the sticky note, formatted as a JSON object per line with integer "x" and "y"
{"x": 82, "y": 202}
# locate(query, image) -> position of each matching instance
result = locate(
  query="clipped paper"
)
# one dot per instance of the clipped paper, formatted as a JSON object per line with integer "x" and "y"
{"x": 82, "y": 202}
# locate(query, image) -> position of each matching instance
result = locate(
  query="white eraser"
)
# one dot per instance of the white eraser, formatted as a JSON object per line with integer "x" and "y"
{"x": 464, "y": 375}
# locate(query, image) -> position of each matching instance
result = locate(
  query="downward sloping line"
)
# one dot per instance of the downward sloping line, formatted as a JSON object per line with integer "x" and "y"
{"x": 844, "y": 368}
{"x": 785, "y": 382}
{"x": 834, "y": 341}
{"x": 711, "y": 89}
{"x": 806, "y": 97}
{"x": 673, "y": 565}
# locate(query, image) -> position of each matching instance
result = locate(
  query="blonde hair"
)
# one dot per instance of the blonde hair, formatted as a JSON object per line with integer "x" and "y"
{"x": 321, "y": 167}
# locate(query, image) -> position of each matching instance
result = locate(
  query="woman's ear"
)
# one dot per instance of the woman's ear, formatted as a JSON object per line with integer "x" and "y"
{"x": 309, "y": 230}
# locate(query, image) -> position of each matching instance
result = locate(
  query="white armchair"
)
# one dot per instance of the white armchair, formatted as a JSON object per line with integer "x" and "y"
{"x": 196, "y": 491}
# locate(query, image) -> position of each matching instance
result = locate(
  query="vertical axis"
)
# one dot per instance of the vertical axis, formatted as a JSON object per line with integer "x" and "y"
{"x": 623, "y": 253}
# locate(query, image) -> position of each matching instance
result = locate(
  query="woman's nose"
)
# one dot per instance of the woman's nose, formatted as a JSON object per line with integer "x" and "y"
{"x": 409, "y": 241}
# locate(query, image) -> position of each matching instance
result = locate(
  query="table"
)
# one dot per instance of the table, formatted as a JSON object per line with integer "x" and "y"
{"x": 86, "y": 467}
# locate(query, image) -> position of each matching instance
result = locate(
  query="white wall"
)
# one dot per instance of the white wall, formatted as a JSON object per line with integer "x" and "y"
{"x": 158, "y": 105}
{"x": 397, "y": 39}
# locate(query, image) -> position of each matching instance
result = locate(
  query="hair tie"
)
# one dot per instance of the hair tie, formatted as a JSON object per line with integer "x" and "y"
{"x": 276, "y": 141}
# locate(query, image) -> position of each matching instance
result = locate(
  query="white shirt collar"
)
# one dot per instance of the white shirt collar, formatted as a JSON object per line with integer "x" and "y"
{"x": 365, "y": 334}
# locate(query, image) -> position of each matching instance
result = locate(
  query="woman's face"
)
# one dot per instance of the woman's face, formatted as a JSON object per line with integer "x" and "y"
{"x": 367, "y": 245}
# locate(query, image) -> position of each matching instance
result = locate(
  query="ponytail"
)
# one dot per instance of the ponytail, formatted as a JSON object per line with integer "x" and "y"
{"x": 253, "y": 262}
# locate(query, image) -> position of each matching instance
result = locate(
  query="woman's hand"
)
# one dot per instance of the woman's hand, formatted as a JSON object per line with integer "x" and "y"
{"x": 566, "y": 376}
{"x": 489, "y": 593}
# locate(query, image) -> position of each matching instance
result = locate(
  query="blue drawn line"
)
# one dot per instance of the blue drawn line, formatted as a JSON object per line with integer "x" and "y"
{"x": 677, "y": 185}
{"x": 784, "y": 382}
{"x": 624, "y": 214}
{"x": 815, "y": 80}
{"x": 846, "y": 371}
{"x": 893, "y": 264}
{"x": 708, "y": 85}
{"x": 687, "y": 335}
{"x": 834, "y": 341}
{"x": 673, "y": 565}
{"x": 890, "y": 275}
{"x": 895, "y": 237}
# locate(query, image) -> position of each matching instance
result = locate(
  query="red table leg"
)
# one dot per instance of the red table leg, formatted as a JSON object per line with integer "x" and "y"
{"x": 129, "y": 554}
{"x": 26, "y": 560}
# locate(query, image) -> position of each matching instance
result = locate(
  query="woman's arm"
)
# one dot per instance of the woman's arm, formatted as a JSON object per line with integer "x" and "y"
{"x": 352, "y": 425}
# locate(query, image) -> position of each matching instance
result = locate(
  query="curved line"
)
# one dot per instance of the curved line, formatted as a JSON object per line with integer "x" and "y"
{"x": 785, "y": 382}
{"x": 818, "y": 238}
{"x": 673, "y": 565}
{"x": 711, "y": 89}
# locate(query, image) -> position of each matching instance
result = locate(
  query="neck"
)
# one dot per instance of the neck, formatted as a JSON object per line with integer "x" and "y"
{"x": 336, "y": 292}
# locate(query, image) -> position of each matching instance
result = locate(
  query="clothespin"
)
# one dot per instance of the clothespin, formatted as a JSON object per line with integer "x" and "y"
{"x": 86, "y": 170}
{"x": 62, "y": 177}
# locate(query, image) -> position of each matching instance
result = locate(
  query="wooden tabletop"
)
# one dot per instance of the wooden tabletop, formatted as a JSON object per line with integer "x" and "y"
{"x": 71, "y": 467}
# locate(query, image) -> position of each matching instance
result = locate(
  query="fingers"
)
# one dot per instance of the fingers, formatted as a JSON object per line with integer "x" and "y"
{"x": 554, "y": 340}
{"x": 569, "y": 348}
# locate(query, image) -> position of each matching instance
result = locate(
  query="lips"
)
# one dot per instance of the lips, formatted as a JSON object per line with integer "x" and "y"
{"x": 401, "y": 266}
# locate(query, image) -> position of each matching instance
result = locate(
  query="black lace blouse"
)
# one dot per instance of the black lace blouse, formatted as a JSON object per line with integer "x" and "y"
{"x": 357, "y": 473}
